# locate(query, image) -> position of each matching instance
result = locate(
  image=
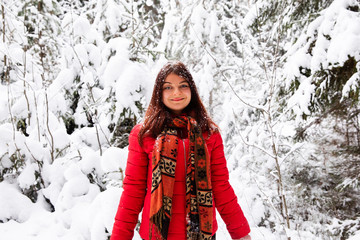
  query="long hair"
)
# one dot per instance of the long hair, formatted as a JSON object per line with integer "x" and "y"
{"x": 158, "y": 115}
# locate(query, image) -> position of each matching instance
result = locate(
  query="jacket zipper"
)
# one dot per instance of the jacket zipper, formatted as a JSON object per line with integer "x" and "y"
{"x": 183, "y": 140}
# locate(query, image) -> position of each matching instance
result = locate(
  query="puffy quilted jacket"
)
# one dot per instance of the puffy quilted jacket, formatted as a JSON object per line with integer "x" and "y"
{"x": 137, "y": 185}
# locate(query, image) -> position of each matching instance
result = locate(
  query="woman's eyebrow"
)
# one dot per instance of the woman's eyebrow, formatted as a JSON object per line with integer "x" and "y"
{"x": 179, "y": 83}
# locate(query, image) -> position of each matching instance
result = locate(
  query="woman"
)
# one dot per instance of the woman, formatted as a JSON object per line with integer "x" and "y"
{"x": 176, "y": 170}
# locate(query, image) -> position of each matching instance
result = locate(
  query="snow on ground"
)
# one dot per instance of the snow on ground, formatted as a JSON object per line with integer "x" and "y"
{"x": 82, "y": 210}
{"x": 33, "y": 221}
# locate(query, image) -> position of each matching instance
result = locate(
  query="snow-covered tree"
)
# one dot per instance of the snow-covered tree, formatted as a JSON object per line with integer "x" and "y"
{"x": 281, "y": 79}
{"x": 322, "y": 77}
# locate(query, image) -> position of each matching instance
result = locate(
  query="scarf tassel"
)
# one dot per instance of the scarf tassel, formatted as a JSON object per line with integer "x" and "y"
{"x": 161, "y": 223}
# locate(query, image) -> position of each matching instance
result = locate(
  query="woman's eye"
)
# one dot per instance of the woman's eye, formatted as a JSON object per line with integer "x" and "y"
{"x": 184, "y": 86}
{"x": 167, "y": 88}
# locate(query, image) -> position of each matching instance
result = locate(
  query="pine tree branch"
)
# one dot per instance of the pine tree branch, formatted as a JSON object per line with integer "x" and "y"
{"x": 258, "y": 107}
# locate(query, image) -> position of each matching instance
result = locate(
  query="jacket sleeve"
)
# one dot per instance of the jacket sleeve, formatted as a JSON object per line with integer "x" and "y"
{"x": 224, "y": 195}
{"x": 134, "y": 189}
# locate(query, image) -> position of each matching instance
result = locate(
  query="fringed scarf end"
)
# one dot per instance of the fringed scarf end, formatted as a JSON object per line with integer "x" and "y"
{"x": 161, "y": 223}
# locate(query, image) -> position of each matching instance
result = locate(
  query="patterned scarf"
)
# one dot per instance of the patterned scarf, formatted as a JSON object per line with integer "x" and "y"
{"x": 199, "y": 205}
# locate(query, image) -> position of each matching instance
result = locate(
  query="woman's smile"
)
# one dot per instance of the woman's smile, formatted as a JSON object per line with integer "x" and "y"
{"x": 177, "y": 99}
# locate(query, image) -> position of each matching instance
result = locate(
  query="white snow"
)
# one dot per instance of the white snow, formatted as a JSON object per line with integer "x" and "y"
{"x": 332, "y": 38}
{"x": 113, "y": 159}
{"x": 27, "y": 176}
{"x": 14, "y": 205}
{"x": 81, "y": 186}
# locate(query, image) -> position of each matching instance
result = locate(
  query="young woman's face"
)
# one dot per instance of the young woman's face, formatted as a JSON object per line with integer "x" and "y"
{"x": 176, "y": 93}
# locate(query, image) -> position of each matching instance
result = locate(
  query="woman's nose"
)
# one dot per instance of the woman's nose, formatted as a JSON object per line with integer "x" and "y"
{"x": 177, "y": 90}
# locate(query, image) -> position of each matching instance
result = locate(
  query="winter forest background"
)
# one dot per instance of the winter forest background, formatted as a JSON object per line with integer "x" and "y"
{"x": 280, "y": 77}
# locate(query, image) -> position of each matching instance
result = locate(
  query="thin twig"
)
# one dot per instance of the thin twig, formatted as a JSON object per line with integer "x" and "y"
{"x": 225, "y": 78}
{"x": 250, "y": 144}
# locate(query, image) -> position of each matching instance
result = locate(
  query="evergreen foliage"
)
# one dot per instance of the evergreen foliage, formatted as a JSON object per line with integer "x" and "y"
{"x": 280, "y": 77}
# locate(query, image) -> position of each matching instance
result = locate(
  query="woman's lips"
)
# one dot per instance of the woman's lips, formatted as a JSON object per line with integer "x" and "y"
{"x": 177, "y": 99}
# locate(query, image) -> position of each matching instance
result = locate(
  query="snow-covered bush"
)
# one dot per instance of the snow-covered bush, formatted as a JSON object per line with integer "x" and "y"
{"x": 76, "y": 76}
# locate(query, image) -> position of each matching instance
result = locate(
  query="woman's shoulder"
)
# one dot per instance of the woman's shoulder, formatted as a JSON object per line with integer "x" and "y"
{"x": 133, "y": 137}
{"x": 136, "y": 129}
{"x": 213, "y": 135}
{"x": 148, "y": 141}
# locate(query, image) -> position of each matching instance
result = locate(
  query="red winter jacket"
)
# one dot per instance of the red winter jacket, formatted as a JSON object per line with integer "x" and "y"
{"x": 137, "y": 186}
